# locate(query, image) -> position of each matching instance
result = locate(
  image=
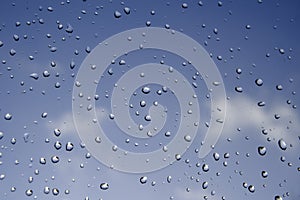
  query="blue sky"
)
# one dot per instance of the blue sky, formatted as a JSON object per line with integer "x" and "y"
{"x": 245, "y": 40}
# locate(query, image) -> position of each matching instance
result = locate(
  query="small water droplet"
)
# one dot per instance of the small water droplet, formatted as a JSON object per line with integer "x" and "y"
{"x": 184, "y": 5}
{"x": 279, "y": 87}
{"x": 277, "y": 197}
{"x": 117, "y": 14}
{"x": 146, "y": 90}
{"x": 264, "y": 174}
{"x": 57, "y": 145}
{"x": 104, "y": 186}
{"x": 238, "y": 89}
{"x": 55, "y": 159}
{"x": 177, "y": 157}
{"x": 127, "y": 10}
{"x": 1, "y": 135}
{"x": 262, "y": 150}
{"x": 29, "y": 192}
{"x": 42, "y": 161}
{"x": 57, "y": 132}
{"x": 98, "y": 139}
{"x": 169, "y": 179}
{"x": 8, "y": 116}
{"x": 44, "y": 115}
{"x": 55, "y": 191}
{"x": 259, "y": 82}
{"x": 143, "y": 179}
{"x": 188, "y": 138}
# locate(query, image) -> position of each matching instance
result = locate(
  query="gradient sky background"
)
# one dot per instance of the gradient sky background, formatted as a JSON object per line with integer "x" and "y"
{"x": 246, "y": 39}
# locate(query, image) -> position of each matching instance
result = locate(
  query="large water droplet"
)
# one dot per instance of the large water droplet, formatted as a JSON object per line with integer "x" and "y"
{"x": 282, "y": 144}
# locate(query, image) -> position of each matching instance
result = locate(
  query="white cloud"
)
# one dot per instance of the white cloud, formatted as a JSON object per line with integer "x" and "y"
{"x": 243, "y": 112}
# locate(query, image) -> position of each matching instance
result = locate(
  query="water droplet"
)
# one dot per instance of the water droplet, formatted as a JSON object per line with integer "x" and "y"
{"x": 127, "y": 10}
{"x": 69, "y": 29}
{"x": 248, "y": 26}
{"x": 251, "y": 188}
{"x": 147, "y": 118}
{"x": 169, "y": 179}
{"x": 57, "y": 145}
{"x": 44, "y": 115}
{"x": 117, "y": 14}
{"x": 69, "y": 146}
{"x": 205, "y": 185}
{"x": 55, "y": 191}
{"x": 184, "y": 5}
{"x": 216, "y": 156}
{"x": 57, "y": 132}
{"x": 8, "y": 116}
{"x": 2, "y": 176}
{"x": 279, "y": 87}
{"x": 177, "y": 157}
{"x": 264, "y": 174}
{"x": 281, "y": 51}
{"x": 238, "y": 70}
{"x": 262, "y": 150}
{"x": 98, "y": 139}
{"x": 282, "y": 144}
{"x": 46, "y": 74}
{"x": 72, "y": 64}
{"x": 55, "y": 159}
{"x": 34, "y": 76}
{"x": 259, "y": 82}
{"x": 42, "y": 161}
{"x": 143, "y": 179}
{"x": 261, "y": 103}
{"x": 122, "y": 62}
{"x": 238, "y": 89}
{"x": 277, "y": 197}
{"x": 1, "y": 135}
{"x": 142, "y": 103}
{"x": 29, "y": 192}
{"x": 146, "y": 90}
{"x": 26, "y": 137}
{"x": 104, "y": 186}
{"x": 13, "y": 140}
{"x": 188, "y": 138}
{"x": 205, "y": 167}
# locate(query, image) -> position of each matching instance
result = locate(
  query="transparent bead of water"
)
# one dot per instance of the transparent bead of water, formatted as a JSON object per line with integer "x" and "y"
{"x": 143, "y": 179}
{"x": 262, "y": 150}
{"x": 104, "y": 186}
